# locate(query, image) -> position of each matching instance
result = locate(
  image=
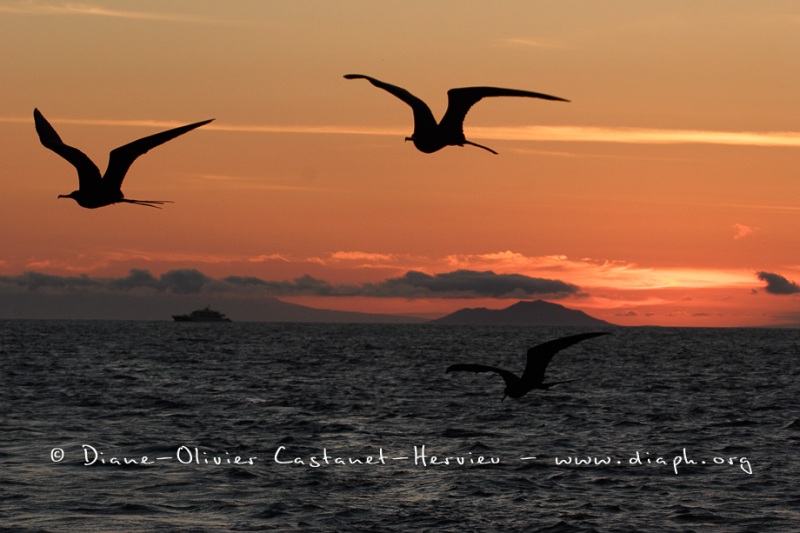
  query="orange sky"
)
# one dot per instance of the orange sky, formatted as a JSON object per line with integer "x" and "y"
{"x": 662, "y": 189}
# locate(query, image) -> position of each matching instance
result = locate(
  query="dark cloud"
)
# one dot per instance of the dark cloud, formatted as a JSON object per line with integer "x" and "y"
{"x": 245, "y": 281}
{"x": 458, "y": 284}
{"x": 136, "y": 279}
{"x": 310, "y": 285}
{"x": 303, "y": 286}
{"x": 34, "y": 281}
{"x": 184, "y": 281}
{"x": 777, "y": 284}
{"x": 467, "y": 284}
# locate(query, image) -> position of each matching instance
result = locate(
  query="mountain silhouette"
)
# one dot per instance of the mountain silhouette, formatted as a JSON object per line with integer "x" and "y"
{"x": 275, "y": 310}
{"x": 535, "y": 313}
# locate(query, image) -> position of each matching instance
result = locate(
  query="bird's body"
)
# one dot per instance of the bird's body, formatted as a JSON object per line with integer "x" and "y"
{"x": 96, "y": 190}
{"x": 537, "y": 360}
{"x": 430, "y": 136}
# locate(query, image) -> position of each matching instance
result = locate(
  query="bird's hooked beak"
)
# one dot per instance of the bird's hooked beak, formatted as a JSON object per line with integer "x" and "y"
{"x": 70, "y": 195}
{"x": 410, "y": 138}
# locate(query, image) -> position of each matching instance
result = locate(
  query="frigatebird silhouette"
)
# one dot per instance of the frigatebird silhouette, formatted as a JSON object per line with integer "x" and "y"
{"x": 429, "y": 136}
{"x": 95, "y": 190}
{"x": 533, "y": 376}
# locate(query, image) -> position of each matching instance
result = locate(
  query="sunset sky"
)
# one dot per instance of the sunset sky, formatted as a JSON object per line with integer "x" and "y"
{"x": 667, "y": 192}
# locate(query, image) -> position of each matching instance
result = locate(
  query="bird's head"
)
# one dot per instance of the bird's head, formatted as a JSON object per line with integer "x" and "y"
{"x": 507, "y": 393}
{"x": 73, "y": 195}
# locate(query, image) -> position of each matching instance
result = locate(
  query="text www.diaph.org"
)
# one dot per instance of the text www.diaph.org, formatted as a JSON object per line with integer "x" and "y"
{"x": 420, "y": 456}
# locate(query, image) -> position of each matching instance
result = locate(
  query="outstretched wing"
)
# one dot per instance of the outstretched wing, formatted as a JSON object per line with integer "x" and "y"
{"x": 422, "y": 113}
{"x": 461, "y": 100}
{"x": 121, "y": 159}
{"x": 539, "y": 356}
{"x": 88, "y": 173}
{"x": 508, "y": 377}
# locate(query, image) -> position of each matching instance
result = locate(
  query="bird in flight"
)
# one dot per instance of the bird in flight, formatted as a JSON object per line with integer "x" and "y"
{"x": 533, "y": 376}
{"x": 95, "y": 190}
{"x": 429, "y": 136}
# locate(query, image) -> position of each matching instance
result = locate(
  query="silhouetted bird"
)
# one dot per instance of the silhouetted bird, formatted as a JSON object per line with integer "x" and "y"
{"x": 429, "y": 136}
{"x": 95, "y": 190}
{"x": 533, "y": 376}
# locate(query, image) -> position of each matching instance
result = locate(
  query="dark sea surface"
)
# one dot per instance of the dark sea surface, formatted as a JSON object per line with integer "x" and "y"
{"x": 657, "y": 408}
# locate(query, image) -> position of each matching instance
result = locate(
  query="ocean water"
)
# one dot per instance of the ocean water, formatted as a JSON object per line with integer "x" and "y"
{"x": 358, "y": 428}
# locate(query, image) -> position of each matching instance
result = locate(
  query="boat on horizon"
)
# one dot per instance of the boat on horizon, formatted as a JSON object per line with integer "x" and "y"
{"x": 202, "y": 315}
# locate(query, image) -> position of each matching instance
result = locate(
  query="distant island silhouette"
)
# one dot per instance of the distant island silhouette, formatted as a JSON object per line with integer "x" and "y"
{"x": 76, "y": 305}
{"x": 523, "y": 313}
{"x": 275, "y": 310}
